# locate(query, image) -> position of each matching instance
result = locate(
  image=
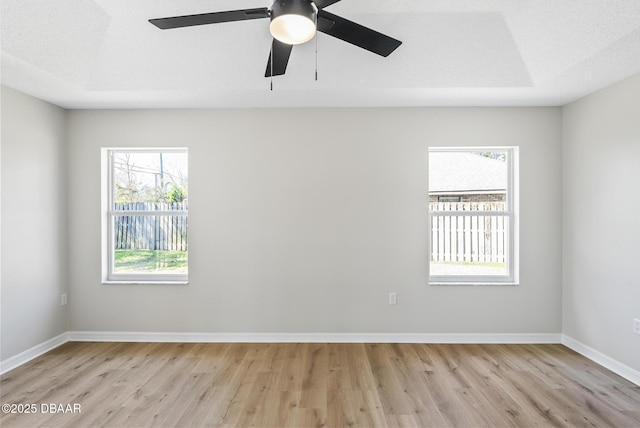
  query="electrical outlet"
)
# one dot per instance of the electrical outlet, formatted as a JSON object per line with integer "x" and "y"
{"x": 636, "y": 326}
{"x": 63, "y": 299}
{"x": 393, "y": 298}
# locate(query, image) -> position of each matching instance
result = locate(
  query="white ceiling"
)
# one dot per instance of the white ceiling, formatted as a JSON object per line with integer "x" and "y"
{"x": 105, "y": 54}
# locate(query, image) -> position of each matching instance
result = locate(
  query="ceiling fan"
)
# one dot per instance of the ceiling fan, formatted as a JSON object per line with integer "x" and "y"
{"x": 292, "y": 22}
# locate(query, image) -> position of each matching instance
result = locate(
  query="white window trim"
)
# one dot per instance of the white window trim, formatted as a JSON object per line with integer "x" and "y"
{"x": 513, "y": 204}
{"x": 106, "y": 187}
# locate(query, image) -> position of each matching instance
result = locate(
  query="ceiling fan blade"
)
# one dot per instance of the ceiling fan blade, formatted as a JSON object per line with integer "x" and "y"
{"x": 321, "y": 4}
{"x": 210, "y": 18}
{"x": 356, "y": 34}
{"x": 281, "y": 53}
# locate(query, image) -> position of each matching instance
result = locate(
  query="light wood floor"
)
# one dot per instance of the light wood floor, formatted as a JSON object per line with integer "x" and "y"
{"x": 332, "y": 385}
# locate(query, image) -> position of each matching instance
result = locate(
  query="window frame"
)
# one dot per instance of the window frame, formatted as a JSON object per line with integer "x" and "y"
{"x": 109, "y": 214}
{"x": 510, "y": 212}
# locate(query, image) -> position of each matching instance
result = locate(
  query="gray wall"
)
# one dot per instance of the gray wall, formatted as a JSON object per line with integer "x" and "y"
{"x": 33, "y": 222}
{"x": 601, "y": 228}
{"x": 303, "y": 221}
{"x": 306, "y": 227}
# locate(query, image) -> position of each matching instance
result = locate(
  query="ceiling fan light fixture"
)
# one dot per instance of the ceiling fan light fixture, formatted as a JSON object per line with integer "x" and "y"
{"x": 293, "y": 21}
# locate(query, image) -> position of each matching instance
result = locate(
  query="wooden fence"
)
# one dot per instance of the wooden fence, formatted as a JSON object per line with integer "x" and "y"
{"x": 468, "y": 237}
{"x": 150, "y": 232}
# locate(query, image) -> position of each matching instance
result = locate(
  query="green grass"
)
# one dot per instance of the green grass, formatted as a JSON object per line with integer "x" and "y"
{"x": 151, "y": 261}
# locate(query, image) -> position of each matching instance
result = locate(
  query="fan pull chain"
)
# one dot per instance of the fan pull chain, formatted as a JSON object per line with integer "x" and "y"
{"x": 316, "y": 37}
{"x": 271, "y": 58}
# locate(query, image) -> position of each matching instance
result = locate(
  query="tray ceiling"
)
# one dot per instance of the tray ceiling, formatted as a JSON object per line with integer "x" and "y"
{"x": 105, "y": 54}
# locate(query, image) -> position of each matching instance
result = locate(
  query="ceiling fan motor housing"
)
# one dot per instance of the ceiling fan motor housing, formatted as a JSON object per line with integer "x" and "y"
{"x": 293, "y": 21}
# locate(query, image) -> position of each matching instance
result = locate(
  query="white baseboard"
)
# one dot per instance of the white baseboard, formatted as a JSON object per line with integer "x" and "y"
{"x": 110, "y": 336}
{"x": 31, "y": 353}
{"x": 615, "y": 366}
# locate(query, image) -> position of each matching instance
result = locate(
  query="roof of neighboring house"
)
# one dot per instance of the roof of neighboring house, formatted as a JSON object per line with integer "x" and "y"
{"x": 465, "y": 172}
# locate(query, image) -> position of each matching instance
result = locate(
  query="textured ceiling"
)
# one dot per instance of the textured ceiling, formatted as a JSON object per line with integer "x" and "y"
{"x": 105, "y": 54}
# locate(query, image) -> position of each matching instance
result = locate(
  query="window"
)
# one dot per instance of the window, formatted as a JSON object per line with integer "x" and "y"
{"x": 473, "y": 215}
{"x": 145, "y": 201}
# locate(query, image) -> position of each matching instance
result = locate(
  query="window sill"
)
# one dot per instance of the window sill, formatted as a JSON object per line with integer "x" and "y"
{"x": 439, "y": 283}
{"x": 141, "y": 282}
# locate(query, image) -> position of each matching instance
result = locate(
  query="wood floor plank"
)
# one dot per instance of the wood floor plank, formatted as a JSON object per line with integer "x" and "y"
{"x": 318, "y": 385}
